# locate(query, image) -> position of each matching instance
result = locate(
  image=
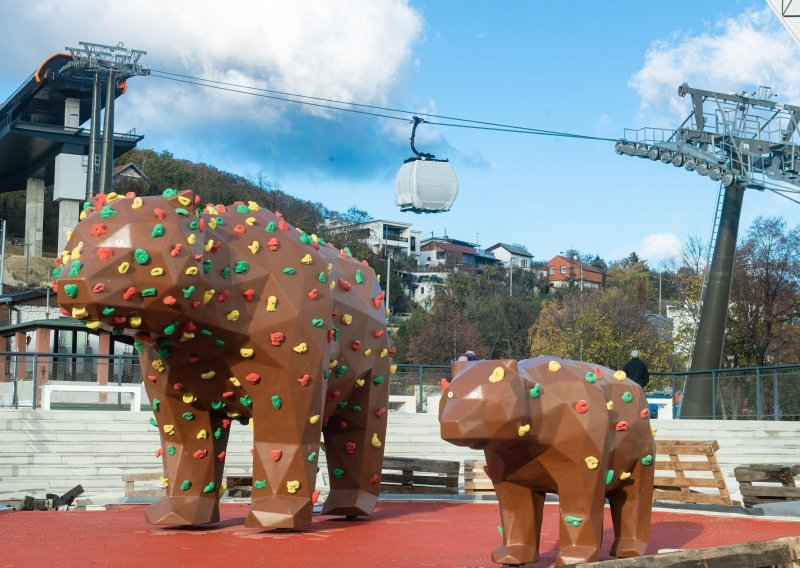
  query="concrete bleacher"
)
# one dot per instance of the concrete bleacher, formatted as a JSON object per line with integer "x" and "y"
{"x": 52, "y": 451}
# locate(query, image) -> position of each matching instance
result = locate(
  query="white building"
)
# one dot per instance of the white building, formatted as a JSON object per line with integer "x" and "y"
{"x": 511, "y": 255}
{"x": 383, "y": 237}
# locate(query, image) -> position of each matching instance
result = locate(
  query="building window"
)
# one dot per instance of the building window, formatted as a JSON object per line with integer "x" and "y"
{"x": 552, "y": 270}
{"x": 422, "y": 289}
{"x": 563, "y": 269}
{"x": 414, "y": 243}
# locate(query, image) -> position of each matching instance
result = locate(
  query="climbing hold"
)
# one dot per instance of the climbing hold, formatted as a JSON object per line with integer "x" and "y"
{"x": 189, "y": 398}
{"x": 217, "y": 405}
{"x": 314, "y": 419}
{"x": 218, "y": 433}
{"x": 581, "y": 406}
{"x": 97, "y": 288}
{"x": 276, "y": 338}
{"x": 246, "y": 352}
{"x": 171, "y": 450}
{"x": 317, "y": 322}
{"x": 359, "y": 277}
{"x": 644, "y": 413}
{"x": 497, "y": 375}
{"x": 158, "y": 231}
{"x": 153, "y": 422}
{"x": 202, "y": 434}
{"x": 272, "y": 304}
{"x": 377, "y": 380}
{"x": 123, "y": 267}
{"x": 276, "y": 455}
{"x": 300, "y": 348}
{"x": 276, "y": 402}
{"x": 169, "y": 429}
{"x": 208, "y": 375}
{"x": 338, "y": 473}
{"x": 289, "y": 270}
{"x": 554, "y": 366}
{"x": 313, "y": 294}
{"x": 610, "y": 405}
{"x": 620, "y": 375}
{"x": 253, "y": 378}
{"x": 186, "y": 485}
{"x": 574, "y": 521}
{"x": 627, "y": 396}
{"x": 376, "y": 443}
{"x": 209, "y": 488}
{"x": 259, "y": 484}
{"x": 591, "y": 377}
{"x": 535, "y": 391}
{"x": 241, "y": 267}
{"x": 621, "y": 426}
{"x": 347, "y": 319}
{"x": 163, "y": 482}
{"x": 524, "y": 429}
{"x": 245, "y": 401}
{"x": 200, "y": 454}
{"x": 141, "y": 256}
{"x": 609, "y": 476}
{"x": 149, "y": 292}
{"x": 304, "y": 380}
{"x": 235, "y": 382}
{"x": 254, "y": 246}
{"x": 71, "y": 290}
{"x": 292, "y": 486}
{"x": 624, "y": 475}
{"x": 592, "y": 462}
{"x": 157, "y": 271}
{"x": 188, "y": 416}
{"x": 307, "y": 259}
{"x": 647, "y": 460}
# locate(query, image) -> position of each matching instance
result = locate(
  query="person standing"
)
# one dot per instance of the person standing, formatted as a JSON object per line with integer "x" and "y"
{"x": 637, "y": 370}
{"x": 467, "y": 356}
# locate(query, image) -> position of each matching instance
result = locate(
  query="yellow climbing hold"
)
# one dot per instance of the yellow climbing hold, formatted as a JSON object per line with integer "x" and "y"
{"x": 376, "y": 443}
{"x": 610, "y": 405}
{"x": 272, "y": 304}
{"x": 524, "y": 429}
{"x": 314, "y": 419}
{"x": 251, "y": 423}
{"x": 384, "y": 352}
{"x": 620, "y": 375}
{"x": 208, "y": 245}
{"x": 76, "y": 253}
{"x": 333, "y": 363}
{"x": 367, "y": 352}
{"x": 157, "y": 271}
{"x": 235, "y": 382}
{"x": 123, "y": 267}
{"x": 592, "y": 462}
{"x": 554, "y": 366}
{"x": 169, "y": 429}
{"x": 158, "y": 365}
{"x": 82, "y": 216}
{"x": 185, "y": 201}
{"x": 207, "y": 295}
{"x": 392, "y": 369}
{"x": 292, "y": 486}
{"x": 162, "y": 481}
{"x": 653, "y": 431}
{"x": 113, "y": 196}
{"x": 332, "y": 284}
{"x": 212, "y": 223}
{"x": 253, "y": 247}
{"x": 186, "y": 336}
{"x": 347, "y": 319}
{"x": 191, "y": 271}
{"x": 250, "y": 221}
{"x": 233, "y": 315}
{"x": 253, "y": 206}
{"x": 80, "y": 312}
{"x": 189, "y": 398}
{"x": 135, "y": 321}
{"x": 300, "y": 348}
{"x": 208, "y": 375}
{"x": 624, "y": 475}
{"x": 307, "y": 259}
{"x": 95, "y": 324}
{"x": 191, "y": 239}
{"x": 202, "y": 435}
{"x": 230, "y": 414}
{"x": 330, "y": 268}
{"x": 246, "y": 352}
{"x": 497, "y": 375}
{"x": 137, "y": 202}
{"x": 387, "y": 312}
{"x": 360, "y": 382}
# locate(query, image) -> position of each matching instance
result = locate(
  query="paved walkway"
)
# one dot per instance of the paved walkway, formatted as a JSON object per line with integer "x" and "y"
{"x": 418, "y": 534}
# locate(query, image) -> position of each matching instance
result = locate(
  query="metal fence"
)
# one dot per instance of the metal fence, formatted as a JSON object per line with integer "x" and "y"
{"x": 758, "y": 393}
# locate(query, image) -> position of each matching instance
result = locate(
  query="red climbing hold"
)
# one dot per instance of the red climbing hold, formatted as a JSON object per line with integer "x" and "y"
{"x": 159, "y": 213}
{"x": 193, "y": 358}
{"x": 381, "y": 412}
{"x": 104, "y": 253}
{"x": 342, "y": 425}
{"x": 189, "y": 327}
{"x": 377, "y": 333}
{"x": 331, "y": 335}
{"x": 621, "y": 426}
{"x": 344, "y": 284}
{"x": 445, "y": 384}
{"x": 392, "y": 351}
{"x": 644, "y": 413}
{"x": 151, "y": 378}
{"x": 248, "y": 294}
{"x": 253, "y": 378}
{"x": 374, "y": 479}
{"x": 349, "y": 447}
{"x": 176, "y": 250}
{"x": 221, "y": 456}
{"x": 170, "y": 300}
{"x": 315, "y": 497}
{"x": 227, "y": 394}
{"x": 178, "y": 386}
{"x": 581, "y": 406}
{"x": 356, "y": 345}
{"x": 200, "y": 454}
{"x": 313, "y": 294}
{"x": 304, "y": 380}
{"x": 99, "y": 229}
{"x": 276, "y": 455}
{"x": 225, "y": 423}
{"x": 333, "y": 395}
{"x": 283, "y": 225}
{"x": 129, "y": 293}
{"x": 99, "y": 287}
{"x": 221, "y": 297}
{"x": 272, "y": 244}
{"x": 277, "y": 338}
{"x": 159, "y": 452}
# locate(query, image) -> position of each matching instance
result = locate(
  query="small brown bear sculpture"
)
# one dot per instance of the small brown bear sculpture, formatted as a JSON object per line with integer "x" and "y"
{"x": 237, "y": 315}
{"x": 548, "y": 425}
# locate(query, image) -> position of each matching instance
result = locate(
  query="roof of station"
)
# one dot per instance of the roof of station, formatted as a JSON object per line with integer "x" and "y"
{"x": 32, "y": 130}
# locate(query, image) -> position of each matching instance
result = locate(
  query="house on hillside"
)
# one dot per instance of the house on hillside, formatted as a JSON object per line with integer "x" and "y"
{"x": 383, "y": 237}
{"x": 511, "y": 255}
{"x": 130, "y": 178}
{"x": 563, "y": 271}
{"x": 454, "y": 254}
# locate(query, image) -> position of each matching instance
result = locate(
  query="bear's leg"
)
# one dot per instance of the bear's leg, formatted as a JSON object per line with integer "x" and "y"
{"x": 631, "y": 506}
{"x": 354, "y": 446}
{"x": 521, "y": 513}
{"x": 193, "y": 443}
{"x": 581, "y": 496}
{"x": 286, "y": 433}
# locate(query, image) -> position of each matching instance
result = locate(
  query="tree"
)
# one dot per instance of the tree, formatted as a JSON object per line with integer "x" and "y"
{"x": 765, "y": 303}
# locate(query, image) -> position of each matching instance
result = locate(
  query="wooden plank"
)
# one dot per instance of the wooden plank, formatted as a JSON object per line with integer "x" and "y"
{"x": 417, "y": 489}
{"x": 785, "y": 493}
{"x": 685, "y": 466}
{"x": 780, "y": 552}
{"x": 419, "y": 480}
{"x": 685, "y": 446}
{"x": 705, "y": 498}
{"x": 783, "y": 474}
{"x": 419, "y": 464}
{"x": 142, "y": 476}
{"x": 685, "y": 482}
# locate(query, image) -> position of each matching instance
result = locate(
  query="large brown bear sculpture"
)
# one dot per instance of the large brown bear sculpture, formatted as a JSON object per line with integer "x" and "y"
{"x": 553, "y": 426}
{"x": 238, "y": 315}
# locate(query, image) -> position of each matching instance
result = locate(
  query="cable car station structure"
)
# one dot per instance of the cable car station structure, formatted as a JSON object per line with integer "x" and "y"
{"x": 743, "y": 141}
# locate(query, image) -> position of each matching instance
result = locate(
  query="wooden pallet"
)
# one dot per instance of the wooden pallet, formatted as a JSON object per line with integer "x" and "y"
{"x": 683, "y": 466}
{"x": 131, "y": 490}
{"x": 419, "y": 476}
{"x": 780, "y": 478}
{"x": 476, "y": 482}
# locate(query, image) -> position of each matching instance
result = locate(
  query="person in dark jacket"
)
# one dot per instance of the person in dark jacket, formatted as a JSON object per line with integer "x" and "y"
{"x": 637, "y": 370}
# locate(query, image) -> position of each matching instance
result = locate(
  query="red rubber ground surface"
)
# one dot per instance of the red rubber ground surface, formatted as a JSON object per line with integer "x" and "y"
{"x": 397, "y": 534}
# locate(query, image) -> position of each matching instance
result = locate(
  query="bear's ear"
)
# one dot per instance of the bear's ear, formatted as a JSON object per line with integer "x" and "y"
{"x": 184, "y": 199}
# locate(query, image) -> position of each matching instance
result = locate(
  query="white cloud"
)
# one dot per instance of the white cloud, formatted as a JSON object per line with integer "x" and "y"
{"x": 659, "y": 246}
{"x": 358, "y": 51}
{"x": 733, "y": 54}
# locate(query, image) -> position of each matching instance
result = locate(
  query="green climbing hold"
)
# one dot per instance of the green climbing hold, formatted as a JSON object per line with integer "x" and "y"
{"x": 341, "y": 404}
{"x": 305, "y": 239}
{"x": 245, "y": 401}
{"x": 241, "y": 267}
{"x": 321, "y": 277}
{"x": 56, "y": 273}
{"x": 208, "y": 488}
{"x": 181, "y": 211}
{"x": 574, "y": 521}
{"x": 356, "y": 408}
{"x": 217, "y": 405}
{"x": 338, "y": 473}
{"x": 219, "y": 341}
{"x": 149, "y": 292}
{"x": 139, "y": 347}
{"x": 75, "y": 268}
{"x": 277, "y": 402}
{"x": 226, "y": 272}
{"x": 359, "y": 277}
{"x": 206, "y": 332}
{"x": 107, "y": 212}
{"x": 117, "y": 330}
{"x": 220, "y": 221}
{"x": 500, "y": 529}
{"x": 536, "y": 390}
{"x": 188, "y": 416}
{"x": 627, "y": 396}
{"x": 317, "y": 322}
{"x": 71, "y": 290}
{"x": 377, "y": 380}
{"x": 142, "y": 256}
{"x": 156, "y": 404}
{"x": 187, "y": 292}
{"x": 591, "y": 377}
{"x": 321, "y": 241}
{"x": 86, "y": 206}
{"x": 341, "y": 370}
{"x": 242, "y": 209}
{"x": 647, "y": 460}
{"x": 327, "y": 373}
{"x": 170, "y": 328}
{"x": 169, "y": 193}
{"x": 259, "y": 484}
{"x": 206, "y": 266}
{"x": 158, "y": 231}
{"x": 271, "y": 227}
{"x": 609, "y": 476}
{"x": 193, "y": 225}
{"x": 186, "y": 485}
{"x": 289, "y": 270}
{"x": 312, "y": 456}
{"x": 347, "y": 251}
{"x": 336, "y": 334}
{"x": 171, "y": 450}
{"x": 153, "y": 422}
{"x": 108, "y": 311}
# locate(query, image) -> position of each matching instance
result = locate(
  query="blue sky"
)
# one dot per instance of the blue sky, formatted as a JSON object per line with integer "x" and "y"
{"x": 583, "y": 67}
